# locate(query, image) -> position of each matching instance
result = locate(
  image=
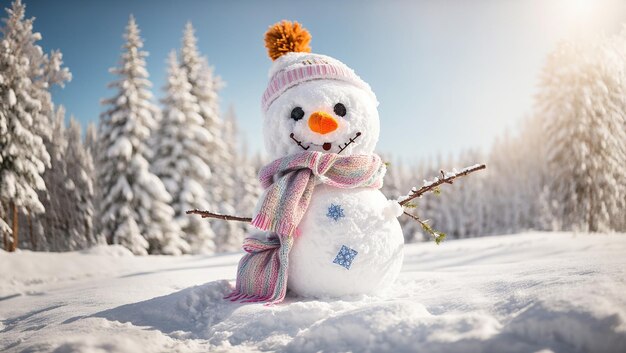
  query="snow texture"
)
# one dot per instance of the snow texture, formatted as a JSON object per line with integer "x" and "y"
{"x": 548, "y": 292}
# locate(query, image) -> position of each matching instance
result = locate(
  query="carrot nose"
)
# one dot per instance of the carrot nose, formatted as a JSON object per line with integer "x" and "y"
{"x": 322, "y": 123}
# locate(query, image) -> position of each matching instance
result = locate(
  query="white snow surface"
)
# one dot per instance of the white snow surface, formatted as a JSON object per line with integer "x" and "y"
{"x": 533, "y": 292}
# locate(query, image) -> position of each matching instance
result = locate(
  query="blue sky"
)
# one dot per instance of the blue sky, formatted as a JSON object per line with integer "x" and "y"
{"x": 449, "y": 74}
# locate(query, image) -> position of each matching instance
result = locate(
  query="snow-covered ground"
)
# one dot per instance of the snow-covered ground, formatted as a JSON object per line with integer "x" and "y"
{"x": 538, "y": 292}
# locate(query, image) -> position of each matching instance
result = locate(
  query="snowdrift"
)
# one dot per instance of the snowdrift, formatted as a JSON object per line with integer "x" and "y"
{"x": 548, "y": 292}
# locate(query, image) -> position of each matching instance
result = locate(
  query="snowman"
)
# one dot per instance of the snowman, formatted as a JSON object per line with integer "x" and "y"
{"x": 328, "y": 230}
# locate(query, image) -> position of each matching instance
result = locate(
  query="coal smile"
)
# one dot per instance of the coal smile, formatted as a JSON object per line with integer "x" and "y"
{"x": 345, "y": 145}
{"x": 299, "y": 142}
{"x": 327, "y": 145}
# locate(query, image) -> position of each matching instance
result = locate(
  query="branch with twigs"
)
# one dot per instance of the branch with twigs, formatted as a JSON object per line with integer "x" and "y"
{"x": 404, "y": 201}
{"x": 438, "y": 236}
{"x": 433, "y": 186}
{"x": 446, "y": 178}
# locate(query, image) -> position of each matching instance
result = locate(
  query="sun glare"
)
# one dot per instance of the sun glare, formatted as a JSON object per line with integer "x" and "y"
{"x": 583, "y": 18}
{"x": 582, "y": 8}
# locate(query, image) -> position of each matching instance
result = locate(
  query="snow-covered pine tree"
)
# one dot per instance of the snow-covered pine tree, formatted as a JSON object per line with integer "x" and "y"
{"x": 616, "y": 46}
{"x": 67, "y": 223}
{"x": 181, "y": 160}
{"x": 532, "y": 176}
{"x": 90, "y": 143}
{"x": 230, "y": 234}
{"x": 51, "y": 71}
{"x": 4, "y": 228}
{"x": 582, "y": 104}
{"x": 52, "y": 228}
{"x": 133, "y": 207}
{"x": 26, "y": 75}
{"x": 468, "y": 196}
{"x": 91, "y": 139}
{"x": 248, "y": 190}
{"x": 205, "y": 87}
{"x": 80, "y": 175}
{"x": 504, "y": 180}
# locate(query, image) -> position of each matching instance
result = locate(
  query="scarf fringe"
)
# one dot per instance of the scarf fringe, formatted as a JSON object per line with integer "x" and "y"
{"x": 243, "y": 298}
{"x": 262, "y": 272}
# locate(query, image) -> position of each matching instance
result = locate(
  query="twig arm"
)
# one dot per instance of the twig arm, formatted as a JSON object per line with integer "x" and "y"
{"x": 446, "y": 178}
{"x": 225, "y": 217}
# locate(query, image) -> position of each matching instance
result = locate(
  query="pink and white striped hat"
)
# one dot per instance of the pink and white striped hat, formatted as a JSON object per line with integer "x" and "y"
{"x": 293, "y": 69}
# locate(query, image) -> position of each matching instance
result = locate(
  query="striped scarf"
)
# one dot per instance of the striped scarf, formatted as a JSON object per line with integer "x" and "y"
{"x": 289, "y": 183}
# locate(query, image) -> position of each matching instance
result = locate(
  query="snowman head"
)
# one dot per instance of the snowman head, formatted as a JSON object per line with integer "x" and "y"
{"x": 314, "y": 102}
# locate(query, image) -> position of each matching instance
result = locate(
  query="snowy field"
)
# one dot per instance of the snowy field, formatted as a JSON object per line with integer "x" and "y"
{"x": 539, "y": 292}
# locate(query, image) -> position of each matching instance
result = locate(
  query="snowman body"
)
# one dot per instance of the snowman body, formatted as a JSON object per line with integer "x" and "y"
{"x": 350, "y": 242}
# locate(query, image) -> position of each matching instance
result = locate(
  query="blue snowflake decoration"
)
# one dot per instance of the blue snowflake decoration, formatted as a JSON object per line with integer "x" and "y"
{"x": 335, "y": 212}
{"x": 345, "y": 257}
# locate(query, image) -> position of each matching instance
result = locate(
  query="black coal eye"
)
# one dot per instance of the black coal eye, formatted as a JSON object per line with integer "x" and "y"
{"x": 297, "y": 113}
{"x": 340, "y": 109}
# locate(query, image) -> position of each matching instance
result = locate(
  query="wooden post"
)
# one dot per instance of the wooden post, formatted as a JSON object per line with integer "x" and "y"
{"x": 14, "y": 227}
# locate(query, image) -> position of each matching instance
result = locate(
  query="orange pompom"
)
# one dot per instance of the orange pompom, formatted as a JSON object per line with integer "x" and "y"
{"x": 286, "y": 37}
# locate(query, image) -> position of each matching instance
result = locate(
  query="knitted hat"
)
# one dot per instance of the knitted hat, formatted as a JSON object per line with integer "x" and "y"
{"x": 288, "y": 45}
